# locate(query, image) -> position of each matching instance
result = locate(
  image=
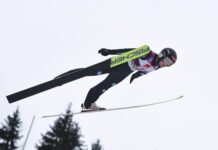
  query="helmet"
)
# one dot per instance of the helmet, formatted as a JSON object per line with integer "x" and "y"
{"x": 168, "y": 55}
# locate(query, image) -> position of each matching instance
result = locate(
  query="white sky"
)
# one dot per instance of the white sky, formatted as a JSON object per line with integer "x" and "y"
{"x": 41, "y": 39}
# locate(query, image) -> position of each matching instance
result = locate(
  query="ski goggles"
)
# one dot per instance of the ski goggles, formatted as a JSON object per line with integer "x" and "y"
{"x": 167, "y": 61}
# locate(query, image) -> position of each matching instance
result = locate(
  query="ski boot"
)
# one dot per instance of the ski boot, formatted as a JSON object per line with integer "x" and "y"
{"x": 92, "y": 107}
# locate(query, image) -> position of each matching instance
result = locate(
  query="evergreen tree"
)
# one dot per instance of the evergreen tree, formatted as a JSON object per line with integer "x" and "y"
{"x": 97, "y": 146}
{"x": 10, "y": 132}
{"x": 64, "y": 135}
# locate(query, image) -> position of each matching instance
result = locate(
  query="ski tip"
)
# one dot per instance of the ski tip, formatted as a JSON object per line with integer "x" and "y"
{"x": 181, "y": 96}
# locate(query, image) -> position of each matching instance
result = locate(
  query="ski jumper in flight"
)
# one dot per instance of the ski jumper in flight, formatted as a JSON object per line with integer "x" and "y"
{"x": 142, "y": 65}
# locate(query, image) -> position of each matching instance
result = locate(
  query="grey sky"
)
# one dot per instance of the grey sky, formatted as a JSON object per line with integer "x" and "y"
{"x": 41, "y": 39}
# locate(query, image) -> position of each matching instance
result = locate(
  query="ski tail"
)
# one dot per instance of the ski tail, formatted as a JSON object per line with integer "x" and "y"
{"x": 58, "y": 81}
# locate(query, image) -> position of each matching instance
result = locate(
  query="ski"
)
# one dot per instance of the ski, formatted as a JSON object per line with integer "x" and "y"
{"x": 114, "y": 109}
{"x": 58, "y": 81}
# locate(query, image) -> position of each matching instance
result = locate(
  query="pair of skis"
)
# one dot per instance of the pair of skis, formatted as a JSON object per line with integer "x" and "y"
{"x": 114, "y": 109}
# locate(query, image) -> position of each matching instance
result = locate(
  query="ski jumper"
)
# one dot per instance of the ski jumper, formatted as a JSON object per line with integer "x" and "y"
{"x": 117, "y": 68}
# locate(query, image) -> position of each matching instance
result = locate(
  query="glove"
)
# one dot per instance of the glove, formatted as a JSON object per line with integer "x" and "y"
{"x": 136, "y": 75}
{"x": 132, "y": 78}
{"x": 104, "y": 51}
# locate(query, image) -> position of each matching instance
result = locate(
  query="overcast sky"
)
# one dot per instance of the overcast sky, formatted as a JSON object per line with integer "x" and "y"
{"x": 41, "y": 39}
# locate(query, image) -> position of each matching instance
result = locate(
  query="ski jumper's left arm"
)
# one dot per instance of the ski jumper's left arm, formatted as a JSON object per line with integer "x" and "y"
{"x": 105, "y": 51}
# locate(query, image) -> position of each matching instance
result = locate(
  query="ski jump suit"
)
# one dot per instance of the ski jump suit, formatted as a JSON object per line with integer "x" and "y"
{"x": 144, "y": 64}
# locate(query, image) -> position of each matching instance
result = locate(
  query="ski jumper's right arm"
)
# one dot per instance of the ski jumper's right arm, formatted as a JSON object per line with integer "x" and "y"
{"x": 106, "y": 52}
{"x": 136, "y": 75}
{"x": 143, "y": 65}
